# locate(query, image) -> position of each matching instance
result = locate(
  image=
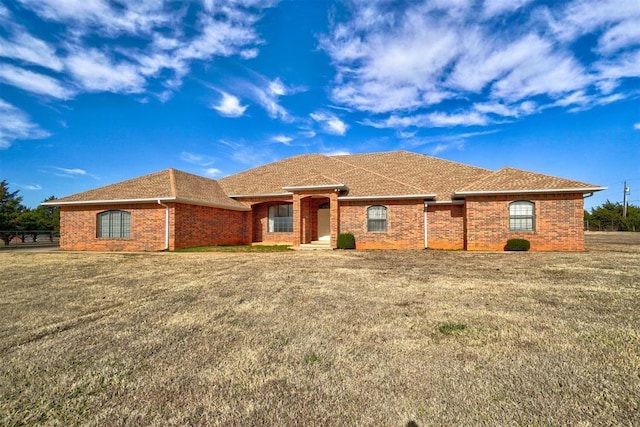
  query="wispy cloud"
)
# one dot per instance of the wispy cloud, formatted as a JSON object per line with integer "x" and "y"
{"x": 229, "y": 106}
{"x": 212, "y": 173}
{"x": 71, "y": 172}
{"x": 406, "y": 59}
{"x": 197, "y": 159}
{"x": 282, "y": 139}
{"x": 636, "y": 126}
{"x": 29, "y": 187}
{"x": 16, "y": 124}
{"x": 24, "y": 47}
{"x": 33, "y": 82}
{"x": 330, "y": 123}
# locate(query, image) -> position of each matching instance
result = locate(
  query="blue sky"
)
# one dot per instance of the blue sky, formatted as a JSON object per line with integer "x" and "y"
{"x": 97, "y": 91}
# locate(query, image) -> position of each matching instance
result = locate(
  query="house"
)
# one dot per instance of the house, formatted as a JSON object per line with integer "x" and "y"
{"x": 391, "y": 200}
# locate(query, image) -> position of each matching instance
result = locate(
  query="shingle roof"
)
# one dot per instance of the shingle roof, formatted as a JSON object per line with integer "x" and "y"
{"x": 166, "y": 185}
{"x": 396, "y": 173}
{"x": 508, "y": 180}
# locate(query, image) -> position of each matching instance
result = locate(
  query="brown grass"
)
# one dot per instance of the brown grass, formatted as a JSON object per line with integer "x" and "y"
{"x": 322, "y": 338}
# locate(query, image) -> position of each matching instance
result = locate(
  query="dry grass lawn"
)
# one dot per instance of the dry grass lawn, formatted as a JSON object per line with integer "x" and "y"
{"x": 322, "y": 338}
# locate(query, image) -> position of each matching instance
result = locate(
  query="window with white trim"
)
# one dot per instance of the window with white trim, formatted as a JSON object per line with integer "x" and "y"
{"x": 377, "y": 219}
{"x": 114, "y": 225}
{"x": 522, "y": 216}
{"x": 281, "y": 218}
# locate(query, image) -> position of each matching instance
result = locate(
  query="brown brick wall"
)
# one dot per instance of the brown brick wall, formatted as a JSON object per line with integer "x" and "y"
{"x": 208, "y": 226}
{"x": 405, "y": 224}
{"x": 78, "y": 225}
{"x": 445, "y": 226}
{"x": 558, "y": 222}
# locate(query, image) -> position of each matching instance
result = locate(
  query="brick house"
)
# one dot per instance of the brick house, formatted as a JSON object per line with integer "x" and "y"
{"x": 392, "y": 200}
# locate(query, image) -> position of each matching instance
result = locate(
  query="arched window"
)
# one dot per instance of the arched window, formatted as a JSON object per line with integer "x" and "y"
{"x": 377, "y": 219}
{"x": 114, "y": 225}
{"x": 522, "y": 216}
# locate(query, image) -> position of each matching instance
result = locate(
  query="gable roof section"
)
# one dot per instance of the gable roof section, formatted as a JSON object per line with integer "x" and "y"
{"x": 169, "y": 185}
{"x": 510, "y": 180}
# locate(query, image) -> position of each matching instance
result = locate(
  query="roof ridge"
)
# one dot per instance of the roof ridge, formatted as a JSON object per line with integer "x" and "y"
{"x": 379, "y": 174}
{"x": 173, "y": 188}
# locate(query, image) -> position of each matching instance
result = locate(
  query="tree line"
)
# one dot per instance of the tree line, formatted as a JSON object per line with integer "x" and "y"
{"x": 19, "y": 220}
{"x": 609, "y": 217}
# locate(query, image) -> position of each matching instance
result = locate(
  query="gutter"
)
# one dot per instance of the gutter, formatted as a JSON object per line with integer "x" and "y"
{"x": 540, "y": 191}
{"x": 166, "y": 225}
{"x": 408, "y": 196}
{"x": 132, "y": 201}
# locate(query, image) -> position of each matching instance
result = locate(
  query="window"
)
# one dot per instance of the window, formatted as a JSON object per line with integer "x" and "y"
{"x": 281, "y": 218}
{"x": 377, "y": 219}
{"x": 521, "y": 216}
{"x": 114, "y": 225}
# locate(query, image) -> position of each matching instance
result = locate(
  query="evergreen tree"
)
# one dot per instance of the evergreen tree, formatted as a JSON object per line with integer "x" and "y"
{"x": 10, "y": 210}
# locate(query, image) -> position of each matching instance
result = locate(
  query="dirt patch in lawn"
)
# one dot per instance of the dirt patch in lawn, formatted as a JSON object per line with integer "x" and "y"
{"x": 322, "y": 338}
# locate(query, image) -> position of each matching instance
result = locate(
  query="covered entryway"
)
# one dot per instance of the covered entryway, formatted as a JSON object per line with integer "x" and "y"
{"x": 324, "y": 222}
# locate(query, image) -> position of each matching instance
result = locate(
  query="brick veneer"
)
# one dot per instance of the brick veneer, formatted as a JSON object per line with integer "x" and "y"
{"x": 445, "y": 226}
{"x": 78, "y": 225}
{"x": 207, "y": 226}
{"x": 558, "y": 222}
{"x": 405, "y": 224}
{"x": 196, "y": 225}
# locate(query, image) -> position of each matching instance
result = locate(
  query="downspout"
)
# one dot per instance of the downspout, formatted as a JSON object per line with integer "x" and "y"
{"x": 166, "y": 225}
{"x": 426, "y": 240}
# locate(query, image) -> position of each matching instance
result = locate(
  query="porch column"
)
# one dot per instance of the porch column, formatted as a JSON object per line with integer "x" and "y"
{"x": 297, "y": 220}
{"x": 335, "y": 219}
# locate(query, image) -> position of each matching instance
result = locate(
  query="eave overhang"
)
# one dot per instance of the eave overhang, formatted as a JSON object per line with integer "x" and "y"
{"x": 148, "y": 200}
{"x": 540, "y": 191}
{"x": 333, "y": 187}
{"x": 405, "y": 196}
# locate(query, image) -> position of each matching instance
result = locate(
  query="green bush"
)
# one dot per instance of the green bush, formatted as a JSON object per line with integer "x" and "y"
{"x": 517, "y": 245}
{"x": 346, "y": 241}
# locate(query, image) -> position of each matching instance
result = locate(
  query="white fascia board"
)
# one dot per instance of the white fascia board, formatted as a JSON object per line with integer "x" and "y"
{"x": 316, "y": 187}
{"x": 444, "y": 202}
{"x": 407, "y": 196}
{"x": 240, "y": 196}
{"x": 109, "y": 202}
{"x": 541, "y": 191}
{"x": 154, "y": 200}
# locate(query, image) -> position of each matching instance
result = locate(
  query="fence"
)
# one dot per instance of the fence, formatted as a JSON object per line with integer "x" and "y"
{"x": 27, "y": 236}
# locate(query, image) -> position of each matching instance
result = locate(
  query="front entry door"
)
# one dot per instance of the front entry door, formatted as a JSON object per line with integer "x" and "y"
{"x": 324, "y": 224}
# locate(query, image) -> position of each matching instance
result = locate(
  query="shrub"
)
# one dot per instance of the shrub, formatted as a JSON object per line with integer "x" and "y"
{"x": 517, "y": 245}
{"x": 346, "y": 241}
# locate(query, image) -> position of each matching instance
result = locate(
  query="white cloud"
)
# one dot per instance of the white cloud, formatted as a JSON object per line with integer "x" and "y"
{"x": 230, "y": 106}
{"x": 15, "y": 125}
{"x": 282, "y": 139}
{"x": 198, "y": 159}
{"x": 96, "y": 73}
{"x": 435, "y": 119}
{"x": 405, "y": 59}
{"x": 329, "y": 122}
{"x": 636, "y": 126}
{"x": 269, "y": 101}
{"x": 69, "y": 172}
{"x": 30, "y": 187}
{"x": 462, "y": 119}
{"x": 33, "y": 82}
{"x": 498, "y": 7}
{"x": 25, "y": 47}
{"x": 277, "y": 88}
{"x": 163, "y": 52}
{"x": 212, "y": 172}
